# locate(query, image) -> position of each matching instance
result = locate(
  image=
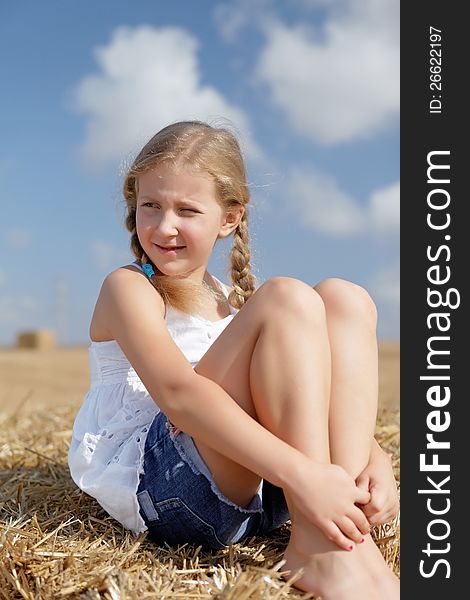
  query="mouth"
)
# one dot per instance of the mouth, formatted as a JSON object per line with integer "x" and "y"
{"x": 169, "y": 249}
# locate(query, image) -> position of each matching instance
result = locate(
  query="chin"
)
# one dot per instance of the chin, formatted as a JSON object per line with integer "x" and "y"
{"x": 170, "y": 270}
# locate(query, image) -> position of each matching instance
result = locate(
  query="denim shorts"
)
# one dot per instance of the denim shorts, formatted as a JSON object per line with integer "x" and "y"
{"x": 181, "y": 503}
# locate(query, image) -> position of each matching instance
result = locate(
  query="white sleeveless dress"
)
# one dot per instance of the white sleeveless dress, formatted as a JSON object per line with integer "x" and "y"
{"x": 109, "y": 432}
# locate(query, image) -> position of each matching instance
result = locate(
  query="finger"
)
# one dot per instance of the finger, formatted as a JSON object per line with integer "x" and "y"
{"x": 350, "y": 530}
{"x": 360, "y": 520}
{"x": 380, "y": 504}
{"x": 376, "y": 505}
{"x": 378, "y": 497}
{"x": 362, "y": 482}
{"x": 336, "y": 536}
{"x": 362, "y": 496}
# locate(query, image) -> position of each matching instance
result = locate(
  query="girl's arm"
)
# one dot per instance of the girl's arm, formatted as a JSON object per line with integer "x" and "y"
{"x": 325, "y": 493}
{"x": 135, "y": 317}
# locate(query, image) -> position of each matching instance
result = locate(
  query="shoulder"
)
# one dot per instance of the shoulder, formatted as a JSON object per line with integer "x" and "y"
{"x": 125, "y": 293}
{"x": 123, "y": 274}
{"x": 128, "y": 286}
{"x": 134, "y": 317}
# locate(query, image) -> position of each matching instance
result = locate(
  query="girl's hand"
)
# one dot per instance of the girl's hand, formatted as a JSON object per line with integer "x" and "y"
{"x": 326, "y": 495}
{"x": 378, "y": 479}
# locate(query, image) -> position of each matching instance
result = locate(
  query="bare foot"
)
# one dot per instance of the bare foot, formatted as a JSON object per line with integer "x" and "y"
{"x": 336, "y": 574}
{"x": 383, "y": 576}
{"x": 329, "y": 572}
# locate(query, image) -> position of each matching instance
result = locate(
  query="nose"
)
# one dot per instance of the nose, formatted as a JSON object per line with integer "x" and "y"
{"x": 167, "y": 225}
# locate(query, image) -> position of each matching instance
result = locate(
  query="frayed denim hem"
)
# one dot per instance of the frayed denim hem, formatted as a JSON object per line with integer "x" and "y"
{"x": 186, "y": 448}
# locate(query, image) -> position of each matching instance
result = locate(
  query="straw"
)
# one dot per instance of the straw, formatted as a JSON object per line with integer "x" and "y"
{"x": 57, "y": 542}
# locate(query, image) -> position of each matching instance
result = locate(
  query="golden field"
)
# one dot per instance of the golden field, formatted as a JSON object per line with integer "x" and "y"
{"x": 60, "y": 377}
{"x": 56, "y": 541}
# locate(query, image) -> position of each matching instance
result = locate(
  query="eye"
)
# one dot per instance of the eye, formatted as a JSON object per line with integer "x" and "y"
{"x": 153, "y": 205}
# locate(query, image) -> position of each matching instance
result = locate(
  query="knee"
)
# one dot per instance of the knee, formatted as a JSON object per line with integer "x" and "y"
{"x": 296, "y": 296}
{"x": 346, "y": 300}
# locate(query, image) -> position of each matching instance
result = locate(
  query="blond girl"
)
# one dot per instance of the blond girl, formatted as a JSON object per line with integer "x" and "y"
{"x": 218, "y": 412}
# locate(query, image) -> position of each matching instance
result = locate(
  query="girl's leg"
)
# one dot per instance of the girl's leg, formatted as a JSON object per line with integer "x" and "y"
{"x": 290, "y": 387}
{"x": 351, "y": 323}
{"x": 351, "y": 320}
{"x": 280, "y": 337}
{"x": 299, "y": 381}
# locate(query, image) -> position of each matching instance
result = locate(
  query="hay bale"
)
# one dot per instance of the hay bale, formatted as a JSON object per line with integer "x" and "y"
{"x": 39, "y": 339}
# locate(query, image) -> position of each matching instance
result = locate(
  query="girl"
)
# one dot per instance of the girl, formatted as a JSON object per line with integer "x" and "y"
{"x": 216, "y": 413}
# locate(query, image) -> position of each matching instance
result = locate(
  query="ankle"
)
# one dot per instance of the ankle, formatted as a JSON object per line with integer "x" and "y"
{"x": 308, "y": 540}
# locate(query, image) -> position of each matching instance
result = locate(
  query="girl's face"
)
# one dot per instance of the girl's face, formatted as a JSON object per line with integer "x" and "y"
{"x": 179, "y": 207}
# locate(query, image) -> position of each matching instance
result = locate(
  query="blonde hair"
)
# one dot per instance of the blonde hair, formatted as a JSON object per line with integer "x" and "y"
{"x": 211, "y": 150}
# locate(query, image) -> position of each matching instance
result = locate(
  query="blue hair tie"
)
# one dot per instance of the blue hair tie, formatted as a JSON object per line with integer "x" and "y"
{"x": 148, "y": 270}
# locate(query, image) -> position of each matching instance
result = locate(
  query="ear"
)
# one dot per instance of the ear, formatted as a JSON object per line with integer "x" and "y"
{"x": 231, "y": 219}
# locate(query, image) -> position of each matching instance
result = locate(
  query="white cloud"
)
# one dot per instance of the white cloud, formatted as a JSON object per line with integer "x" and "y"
{"x": 319, "y": 203}
{"x": 339, "y": 82}
{"x": 17, "y": 238}
{"x": 384, "y": 209}
{"x": 149, "y": 78}
{"x": 230, "y": 19}
{"x": 106, "y": 255}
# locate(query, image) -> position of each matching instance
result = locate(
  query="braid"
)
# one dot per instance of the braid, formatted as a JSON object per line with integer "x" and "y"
{"x": 242, "y": 278}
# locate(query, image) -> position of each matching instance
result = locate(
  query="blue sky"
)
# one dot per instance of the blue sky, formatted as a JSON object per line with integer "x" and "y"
{"x": 310, "y": 86}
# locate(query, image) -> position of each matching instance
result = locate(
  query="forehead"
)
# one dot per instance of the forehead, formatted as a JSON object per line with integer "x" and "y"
{"x": 175, "y": 182}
